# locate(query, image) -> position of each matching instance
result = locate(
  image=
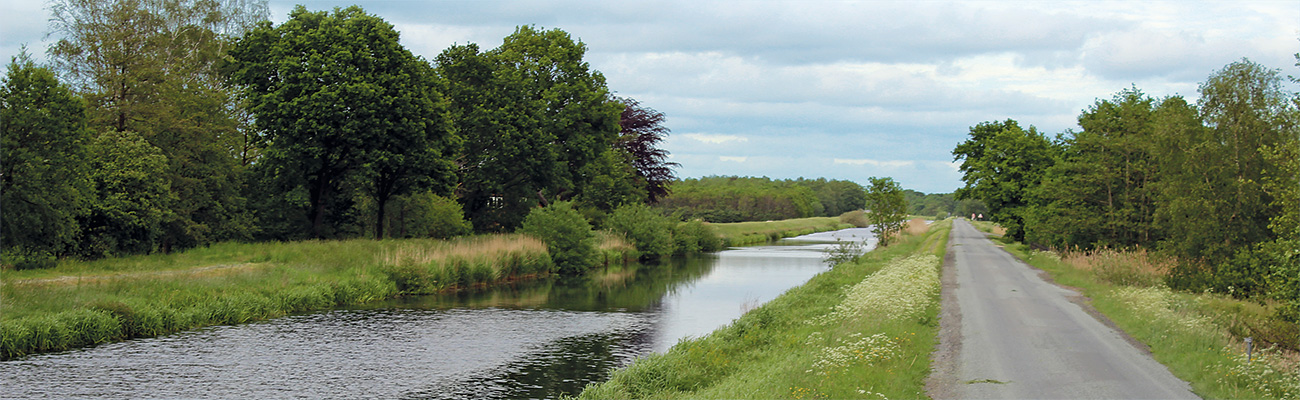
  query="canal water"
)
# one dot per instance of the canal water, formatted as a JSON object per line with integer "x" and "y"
{"x": 534, "y": 340}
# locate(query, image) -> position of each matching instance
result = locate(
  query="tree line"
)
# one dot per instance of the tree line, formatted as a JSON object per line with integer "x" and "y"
{"x": 942, "y": 205}
{"x": 1214, "y": 183}
{"x": 161, "y": 125}
{"x": 738, "y": 199}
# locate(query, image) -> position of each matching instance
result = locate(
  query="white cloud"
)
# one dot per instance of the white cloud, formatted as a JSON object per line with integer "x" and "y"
{"x": 715, "y": 139}
{"x": 874, "y": 163}
{"x": 733, "y": 159}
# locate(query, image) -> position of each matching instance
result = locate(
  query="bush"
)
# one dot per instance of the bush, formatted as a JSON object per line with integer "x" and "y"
{"x": 567, "y": 235}
{"x": 649, "y": 231}
{"x": 856, "y": 218}
{"x": 21, "y": 260}
{"x": 694, "y": 236}
{"x": 426, "y": 215}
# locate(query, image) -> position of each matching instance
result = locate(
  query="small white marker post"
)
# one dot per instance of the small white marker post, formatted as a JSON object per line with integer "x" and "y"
{"x": 1248, "y": 349}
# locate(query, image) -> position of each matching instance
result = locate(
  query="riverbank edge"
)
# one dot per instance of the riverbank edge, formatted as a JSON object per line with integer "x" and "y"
{"x": 1182, "y": 331}
{"x": 756, "y": 232}
{"x": 787, "y": 348}
{"x": 261, "y": 281}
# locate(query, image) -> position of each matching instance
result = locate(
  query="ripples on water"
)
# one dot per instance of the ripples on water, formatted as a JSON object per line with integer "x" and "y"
{"x": 563, "y": 337}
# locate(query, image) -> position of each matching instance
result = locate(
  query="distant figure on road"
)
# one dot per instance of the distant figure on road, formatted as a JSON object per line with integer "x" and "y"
{"x": 972, "y": 216}
{"x": 981, "y": 217}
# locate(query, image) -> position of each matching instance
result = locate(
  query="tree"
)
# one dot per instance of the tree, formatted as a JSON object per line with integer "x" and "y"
{"x": 411, "y": 158}
{"x": 613, "y": 182}
{"x": 151, "y": 67}
{"x": 1247, "y": 110}
{"x": 131, "y": 202}
{"x": 888, "y": 208}
{"x": 641, "y": 131}
{"x": 1101, "y": 191}
{"x": 337, "y": 95}
{"x": 1213, "y": 167}
{"x": 43, "y": 183}
{"x": 532, "y": 116}
{"x": 1000, "y": 163}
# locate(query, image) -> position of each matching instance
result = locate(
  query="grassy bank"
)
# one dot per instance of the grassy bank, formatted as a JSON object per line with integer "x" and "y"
{"x": 862, "y": 329}
{"x": 745, "y": 233}
{"x": 80, "y": 304}
{"x": 1199, "y": 336}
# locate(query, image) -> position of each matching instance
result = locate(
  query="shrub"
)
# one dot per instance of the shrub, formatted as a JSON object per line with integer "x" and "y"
{"x": 30, "y": 261}
{"x": 694, "y": 236}
{"x": 567, "y": 235}
{"x": 856, "y": 218}
{"x": 649, "y": 231}
{"x": 426, "y": 215}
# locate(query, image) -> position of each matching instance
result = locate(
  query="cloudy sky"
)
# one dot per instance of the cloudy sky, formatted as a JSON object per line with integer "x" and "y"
{"x": 846, "y": 89}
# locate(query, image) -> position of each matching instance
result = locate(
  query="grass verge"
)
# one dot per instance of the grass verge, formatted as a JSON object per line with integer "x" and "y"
{"x": 863, "y": 329}
{"x": 745, "y": 233}
{"x": 1197, "y": 335}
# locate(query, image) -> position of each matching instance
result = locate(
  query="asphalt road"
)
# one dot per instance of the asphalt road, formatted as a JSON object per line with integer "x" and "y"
{"x": 1008, "y": 334}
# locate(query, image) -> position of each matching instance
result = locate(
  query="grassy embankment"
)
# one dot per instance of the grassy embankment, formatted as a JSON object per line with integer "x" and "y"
{"x": 1199, "y": 336}
{"x": 862, "y": 329}
{"x": 745, "y": 233}
{"x": 81, "y": 303}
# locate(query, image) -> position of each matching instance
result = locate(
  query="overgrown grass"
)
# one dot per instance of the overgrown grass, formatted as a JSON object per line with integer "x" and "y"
{"x": 86, "y": 303}
{"x": 989, "y": 227}
{"x": 862, "y": 329}
{"x": 743, "y": 233}
{"x": 1198, "y": 336}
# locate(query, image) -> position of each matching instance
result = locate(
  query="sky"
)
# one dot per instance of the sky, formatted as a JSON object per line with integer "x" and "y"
{"x": 844, "y": 89}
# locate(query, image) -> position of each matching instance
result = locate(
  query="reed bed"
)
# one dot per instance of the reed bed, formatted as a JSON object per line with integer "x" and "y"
{"x": 426, "y": 267}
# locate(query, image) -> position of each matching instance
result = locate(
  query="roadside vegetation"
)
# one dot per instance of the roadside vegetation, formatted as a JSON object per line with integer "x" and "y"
{"x": 864, "y": 329}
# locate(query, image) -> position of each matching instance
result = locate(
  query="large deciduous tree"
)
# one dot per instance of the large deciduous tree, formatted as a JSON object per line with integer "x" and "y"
{"x": 1000, "y": 164}
{"x": 1101, "y": 192}
{"x": 339, "y": 97}
{"x": 151, "y": 67}
{"x": 532, "y": 117}
{"x": 641, "y": 131}
{"x": 43, "y": 184}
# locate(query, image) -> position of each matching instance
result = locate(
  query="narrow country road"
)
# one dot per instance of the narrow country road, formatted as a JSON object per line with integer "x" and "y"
{"x": 1008, "y": 334}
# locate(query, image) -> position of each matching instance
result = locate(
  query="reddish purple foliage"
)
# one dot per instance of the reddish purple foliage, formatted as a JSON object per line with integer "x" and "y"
{"x": 642, "y": 130}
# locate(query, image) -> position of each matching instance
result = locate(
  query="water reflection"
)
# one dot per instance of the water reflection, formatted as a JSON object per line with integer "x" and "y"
{"x": 530, "y": 340}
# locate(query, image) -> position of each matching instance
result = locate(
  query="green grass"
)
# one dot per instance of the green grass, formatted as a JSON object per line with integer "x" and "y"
{"x": 862, "y": 328}
{"x": 744, "y": 233}
{"x": 86, "y": 303}
{"x": 1190, "y": 333}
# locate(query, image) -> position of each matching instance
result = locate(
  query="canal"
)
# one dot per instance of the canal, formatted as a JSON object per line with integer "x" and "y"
{"x": 533, "y": 340}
